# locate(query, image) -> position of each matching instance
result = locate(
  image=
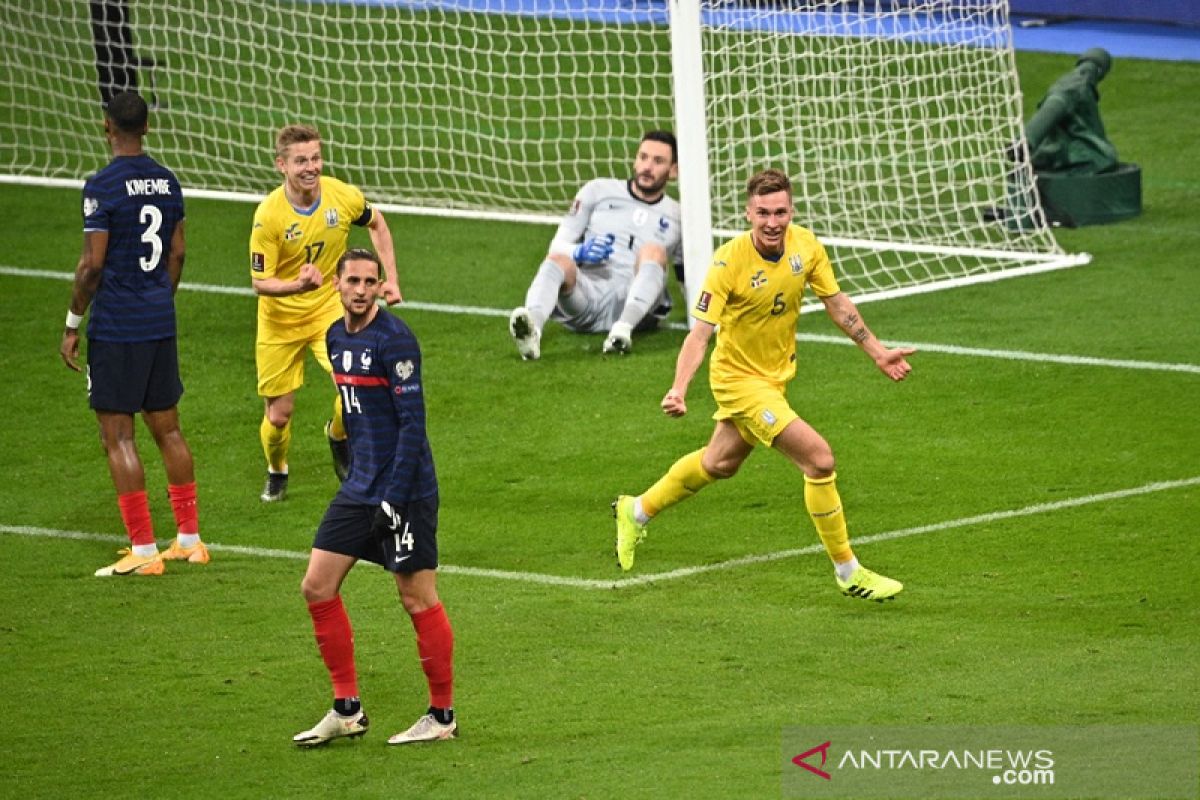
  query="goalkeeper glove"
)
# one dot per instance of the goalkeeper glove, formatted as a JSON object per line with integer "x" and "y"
{"x": 594, "y": 251}
{"x": 386, "y": 520}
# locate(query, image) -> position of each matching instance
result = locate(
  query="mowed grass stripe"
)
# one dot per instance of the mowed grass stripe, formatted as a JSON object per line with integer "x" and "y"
{"x": 925, "y": 347}
{"x": 676, "y": 574}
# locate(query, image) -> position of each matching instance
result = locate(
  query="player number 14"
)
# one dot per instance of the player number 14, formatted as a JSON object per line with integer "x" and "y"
{"x": 350, "y": 404}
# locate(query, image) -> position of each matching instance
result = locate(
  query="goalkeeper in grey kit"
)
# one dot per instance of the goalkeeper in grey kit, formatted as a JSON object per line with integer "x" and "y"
{"x": 607, "y": 265}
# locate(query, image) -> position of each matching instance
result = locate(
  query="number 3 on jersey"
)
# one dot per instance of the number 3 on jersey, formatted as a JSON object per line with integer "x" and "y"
{"x": 350, "y": 404}
{"x": 151, "y": 217}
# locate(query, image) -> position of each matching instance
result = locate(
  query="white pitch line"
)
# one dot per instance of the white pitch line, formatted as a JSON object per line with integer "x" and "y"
{"x": 675, "y": 574}
{"x": 926, "y": 347}
{"x": 994, "y": 516}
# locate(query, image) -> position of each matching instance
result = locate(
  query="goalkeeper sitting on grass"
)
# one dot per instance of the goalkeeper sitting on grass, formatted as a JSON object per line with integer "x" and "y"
{"x": 607, "y": 265}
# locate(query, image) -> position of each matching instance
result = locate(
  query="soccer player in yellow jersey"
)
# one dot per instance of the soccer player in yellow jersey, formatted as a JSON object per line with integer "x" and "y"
{"x": 751, "y": 298}
{"x": 300, "y": 231}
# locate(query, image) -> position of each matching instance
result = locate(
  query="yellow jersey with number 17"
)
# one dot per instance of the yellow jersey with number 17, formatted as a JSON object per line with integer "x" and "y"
{"x": 285, "y": 238}
{"x": 756, "y": 304}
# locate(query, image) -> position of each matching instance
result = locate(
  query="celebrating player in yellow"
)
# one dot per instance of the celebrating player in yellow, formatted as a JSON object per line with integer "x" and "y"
{"x": 300, "y": 231}
{"x": 752, "y": 292}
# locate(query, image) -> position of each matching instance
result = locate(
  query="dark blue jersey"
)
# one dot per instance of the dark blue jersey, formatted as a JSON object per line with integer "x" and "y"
{"x": 139, "y": 203}
{"x": 378, "y": 372}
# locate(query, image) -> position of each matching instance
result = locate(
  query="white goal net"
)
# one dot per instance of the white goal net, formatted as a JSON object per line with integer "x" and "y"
{"x": 892, "y": 117}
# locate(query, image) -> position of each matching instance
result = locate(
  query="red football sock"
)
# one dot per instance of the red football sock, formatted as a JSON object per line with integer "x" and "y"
{"x": 335, "y": 640}
{"x": 435, "y": 645}
{"x": 135, "y": 513}
{"x": 183, "y": 503}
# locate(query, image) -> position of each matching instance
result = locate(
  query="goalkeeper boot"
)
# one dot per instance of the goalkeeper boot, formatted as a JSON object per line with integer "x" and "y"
{"x": 870, "y": 585}
{"x": 196, "y": 554}
{"x": 426, "y": 729}
{"x": 333, "y": 726}
{"x": 525, "y": 334}
{"x": 620, "y": 339}
{"x": 340, "y": 449}
{"x": 130, "y": 564}
{"x": 629, "y": 532}
{"x": 275, "y": 488}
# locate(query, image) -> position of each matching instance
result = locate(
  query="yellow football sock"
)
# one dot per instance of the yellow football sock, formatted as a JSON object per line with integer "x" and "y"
{"x": 825, "y": 507}
{"x": 685, "y": 477}
{"x": 336, "y": 429}
{"x": 275, "y": 442}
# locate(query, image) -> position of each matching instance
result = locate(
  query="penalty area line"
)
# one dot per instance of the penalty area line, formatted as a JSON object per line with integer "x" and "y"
{"x": 676, "y": 574}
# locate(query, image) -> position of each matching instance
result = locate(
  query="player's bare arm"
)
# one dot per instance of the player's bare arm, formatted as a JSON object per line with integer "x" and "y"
{"x": 87, "y": 280}
{"x": 691, "y": 356}
{"x": 381, "y": 240}
{"x": 309, "y": 278}
{"x": 175, "y": 262}
{"x": 892, "y": 362}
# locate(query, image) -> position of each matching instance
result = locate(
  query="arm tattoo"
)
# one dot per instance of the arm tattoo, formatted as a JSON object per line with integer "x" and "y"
{"x": 861, "y": 334}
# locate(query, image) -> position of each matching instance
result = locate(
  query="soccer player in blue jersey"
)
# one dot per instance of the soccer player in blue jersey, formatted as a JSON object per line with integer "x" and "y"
{"x": 132, "y": 259}
{"x": 606, "y": 269}
{"x": 386, "y": 510}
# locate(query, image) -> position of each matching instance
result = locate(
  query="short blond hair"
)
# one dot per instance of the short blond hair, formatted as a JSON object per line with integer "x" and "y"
{"x": 294, "y": 134}
{"x": 769, "y": 181}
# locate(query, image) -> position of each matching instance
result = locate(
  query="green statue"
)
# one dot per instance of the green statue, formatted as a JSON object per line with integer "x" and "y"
{"x": 1066, "y": 134}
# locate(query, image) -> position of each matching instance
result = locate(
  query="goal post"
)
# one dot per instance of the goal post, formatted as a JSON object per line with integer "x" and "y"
{"x": 891, "y": 116}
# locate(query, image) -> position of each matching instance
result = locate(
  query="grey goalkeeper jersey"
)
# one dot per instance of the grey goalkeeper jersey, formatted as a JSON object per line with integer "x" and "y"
{"x": 606, "y": 205}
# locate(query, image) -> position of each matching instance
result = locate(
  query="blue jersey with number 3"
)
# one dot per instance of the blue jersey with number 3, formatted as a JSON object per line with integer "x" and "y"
{"x": 378, "y": 373}
{"x": 138, "y": 202}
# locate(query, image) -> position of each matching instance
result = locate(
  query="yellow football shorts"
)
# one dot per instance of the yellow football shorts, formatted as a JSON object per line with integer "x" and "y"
{"x": 758, "y": 409}
{"x": 279, "y": 354}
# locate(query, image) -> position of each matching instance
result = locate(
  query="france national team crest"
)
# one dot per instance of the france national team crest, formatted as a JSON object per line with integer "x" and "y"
{"x": 758, "y": 279}
{"x": 797, "y": 263}
{"x": 331, "y": 218}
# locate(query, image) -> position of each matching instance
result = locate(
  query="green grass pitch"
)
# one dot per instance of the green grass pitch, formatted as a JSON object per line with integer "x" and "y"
{"x": 1042, "y": 610}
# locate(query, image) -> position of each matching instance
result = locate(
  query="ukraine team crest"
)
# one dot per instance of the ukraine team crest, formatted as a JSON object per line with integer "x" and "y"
{"x": 797, "y": 263}
{"x": 331, "y": 218}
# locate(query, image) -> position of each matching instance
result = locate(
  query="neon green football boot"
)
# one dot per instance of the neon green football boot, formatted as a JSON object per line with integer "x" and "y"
{"x": 629, "y": 533}
{"x": 870, "y": 586}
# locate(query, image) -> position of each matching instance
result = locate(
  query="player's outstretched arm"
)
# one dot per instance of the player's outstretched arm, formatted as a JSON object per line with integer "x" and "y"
{"x": 381, "y": 240}
{"x": 892, "y": 362}
{"x": 691, "y": 356}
